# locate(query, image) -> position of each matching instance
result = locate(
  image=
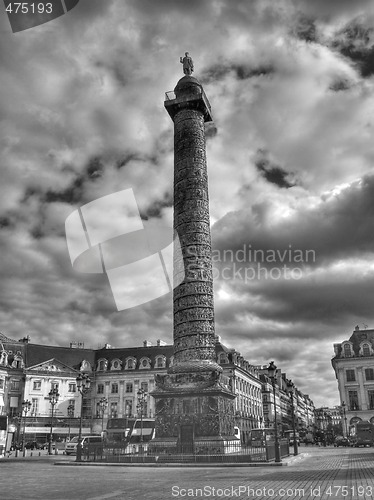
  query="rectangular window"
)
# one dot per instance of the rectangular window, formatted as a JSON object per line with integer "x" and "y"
{"x": 350, "y": 374}
{"x": 128, "y": 407}
{"x": 54, "y": 386}
{"x": 100, "y": 388}
{"x": 1, "y": 383}
{"x": 353, "y": 400}
{"x": 129, "y": 387}
{"x": 115, "y": 388}
{"x": 113, "y": 410}
{"x": 371, "y": 399}
{"x": 369, "y": 373}
{"x": 35, "y": 406}
{"x": 15, "y": 385}
{"x": 72, "y": 387}
{"x": 37, "y": 385}
{"x": 144, "y": 386}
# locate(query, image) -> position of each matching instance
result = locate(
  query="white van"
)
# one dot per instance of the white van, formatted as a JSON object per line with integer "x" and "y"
{"x": 71, "y": 446}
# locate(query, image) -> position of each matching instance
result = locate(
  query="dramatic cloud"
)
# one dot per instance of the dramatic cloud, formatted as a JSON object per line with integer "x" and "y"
{"x": 290, "y": 160}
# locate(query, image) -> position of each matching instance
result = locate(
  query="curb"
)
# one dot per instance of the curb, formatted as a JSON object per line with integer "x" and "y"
{"x": 169, "y": 465}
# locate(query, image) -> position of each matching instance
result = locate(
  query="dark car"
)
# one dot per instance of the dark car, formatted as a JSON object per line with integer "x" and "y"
{"x": 342, "y": 441}
{"x": 33, "y": 445}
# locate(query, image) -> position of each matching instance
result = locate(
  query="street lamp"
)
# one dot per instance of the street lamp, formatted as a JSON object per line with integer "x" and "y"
{"x": 142, "y": 396}
{"x": 345, "y": 418}
{"x": 26, "y": 405}
{"x": 70, "y": 415}
{"x": 53, "y": 398}
{"x": 83, "y": 386}
{"x": 291, "y": 392}
{"x": 103, "y": 403}
{"x": 271, "y": 371}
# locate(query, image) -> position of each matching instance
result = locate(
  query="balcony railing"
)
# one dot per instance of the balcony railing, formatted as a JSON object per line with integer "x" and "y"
{"x": 170, "y": 96}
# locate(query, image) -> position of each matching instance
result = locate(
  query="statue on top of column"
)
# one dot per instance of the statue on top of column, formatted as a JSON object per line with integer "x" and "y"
{"x": 187, "y": 64}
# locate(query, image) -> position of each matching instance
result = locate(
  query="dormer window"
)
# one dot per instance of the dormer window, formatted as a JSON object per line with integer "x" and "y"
{"x": 160, "y": 362}
{"x": 116, "y": 364}
{"x": 365, "y": 349}
{"x": 222, "y": 358}
{"x": 145, "y": 363}
{"x": 347, "y": 350}
{"x": 130, "y": 364}
{"x": 350, "y": 375}
{"x": 102, "y": 365}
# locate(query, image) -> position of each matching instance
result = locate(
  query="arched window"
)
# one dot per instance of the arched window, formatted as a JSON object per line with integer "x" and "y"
{"x": 160, "y": 362}
{"x": 347, "y": 351}
{"x": 102, "y": 365}
{"x": 222, "y": 358}
{"x": 145, "y": 363}
{"x": 130, "y": 364}
{"x": 116, "y": 364}
{"x": 366, "y": 350}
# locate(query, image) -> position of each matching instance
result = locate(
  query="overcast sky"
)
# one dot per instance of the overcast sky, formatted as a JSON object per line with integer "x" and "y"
{"x": 290, "y": 161}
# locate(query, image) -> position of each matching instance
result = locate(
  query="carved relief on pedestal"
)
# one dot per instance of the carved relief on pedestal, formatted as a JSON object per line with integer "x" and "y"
{"x": 226, "y": 412}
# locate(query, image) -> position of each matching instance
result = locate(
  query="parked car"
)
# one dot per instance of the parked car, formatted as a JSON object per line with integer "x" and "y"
{"x": 33, "y": 445}
{"x": 342, "y": 441}
{"x": 71, "y": 446}
{"x": 45, "y": 446}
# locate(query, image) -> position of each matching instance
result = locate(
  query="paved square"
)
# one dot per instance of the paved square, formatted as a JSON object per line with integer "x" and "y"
{"x": 318, "y": 473}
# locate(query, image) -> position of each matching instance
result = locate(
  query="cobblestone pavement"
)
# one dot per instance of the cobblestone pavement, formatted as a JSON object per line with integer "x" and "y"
{"x": 318, "y": 473}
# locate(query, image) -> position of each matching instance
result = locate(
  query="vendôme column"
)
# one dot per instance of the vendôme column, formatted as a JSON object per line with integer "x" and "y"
{"x": 194, "y": 404}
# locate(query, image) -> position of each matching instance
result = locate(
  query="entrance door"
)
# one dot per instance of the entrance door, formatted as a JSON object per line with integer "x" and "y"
{"x": 186, "y": 439}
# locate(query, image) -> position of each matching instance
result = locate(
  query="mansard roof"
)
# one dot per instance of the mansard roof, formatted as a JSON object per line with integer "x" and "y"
{"x": 122, "y": 353}
{"x": 36, "y": 354}
{"x": 5, "y": 340}
{"x": 356, "y": 339}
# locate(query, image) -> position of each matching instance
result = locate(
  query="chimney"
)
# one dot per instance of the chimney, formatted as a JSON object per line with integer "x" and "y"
{"x": 76, "y": 345}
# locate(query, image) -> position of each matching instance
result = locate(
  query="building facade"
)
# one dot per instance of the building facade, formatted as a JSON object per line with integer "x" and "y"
{"x": 353, "y": 363}
{"x": 292, "y": 406}
{"x": 30, "y": 371}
